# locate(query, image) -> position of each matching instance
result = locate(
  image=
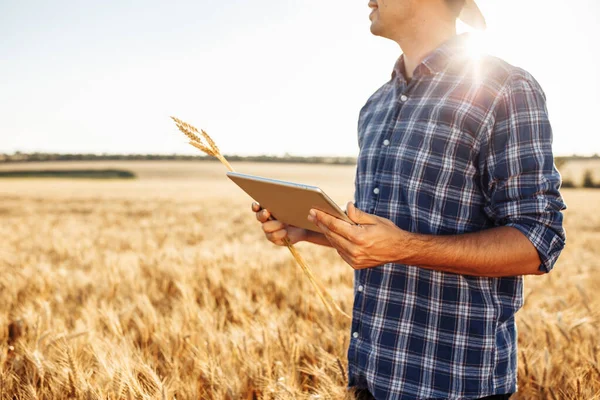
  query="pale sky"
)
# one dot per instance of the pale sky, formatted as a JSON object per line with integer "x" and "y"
{"x": 261, "y": 77}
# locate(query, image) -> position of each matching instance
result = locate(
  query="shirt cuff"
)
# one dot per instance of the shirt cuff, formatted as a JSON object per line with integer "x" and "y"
{"x": 546, "y": 241}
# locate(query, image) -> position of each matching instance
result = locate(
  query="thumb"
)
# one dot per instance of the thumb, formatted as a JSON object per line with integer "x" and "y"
{"x": 358, "y": 216}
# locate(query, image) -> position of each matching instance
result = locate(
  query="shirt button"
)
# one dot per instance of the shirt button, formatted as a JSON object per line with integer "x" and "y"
{"x": 386, "y": 142}
{"x": 403, "y": 98}
{"x": 355, "y": 335}
{"x": 376, "y": 190}
{"x": 361, "y": 288}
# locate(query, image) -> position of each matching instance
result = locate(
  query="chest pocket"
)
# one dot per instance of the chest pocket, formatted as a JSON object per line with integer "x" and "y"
{"x": 432, "y": 155}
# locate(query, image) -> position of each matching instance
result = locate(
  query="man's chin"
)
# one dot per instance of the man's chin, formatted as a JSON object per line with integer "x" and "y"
{"x": 376, "y": 28}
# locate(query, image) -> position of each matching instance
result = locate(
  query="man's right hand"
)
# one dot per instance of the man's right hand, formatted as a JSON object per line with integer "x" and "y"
{"x": 277, "y": 231}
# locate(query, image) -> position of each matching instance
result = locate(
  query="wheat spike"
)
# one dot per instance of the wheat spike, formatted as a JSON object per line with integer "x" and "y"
{"x": 211, "y": 149}
{"x": 75, "y": 378}
{"x": 209, "y": 140}
{"x": 117, "y": 384}
{"x": 342, "y": 370}
{"x": 203, "y": 148}
{"x": 187, "y": 129}
{"x": 72, "y": 385}
{"x": 32, "y": 393}
{"x": 37, "y": 361}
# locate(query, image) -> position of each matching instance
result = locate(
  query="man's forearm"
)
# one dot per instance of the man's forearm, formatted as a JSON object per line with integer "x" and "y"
{"x": 495, "y": 252}
{"x": 317, "y": 238}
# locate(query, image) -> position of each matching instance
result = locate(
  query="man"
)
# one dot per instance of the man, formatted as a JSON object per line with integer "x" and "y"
{"x": 456, "y": 198}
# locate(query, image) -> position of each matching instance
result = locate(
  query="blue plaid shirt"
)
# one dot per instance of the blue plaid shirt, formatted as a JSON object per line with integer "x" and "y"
{"x": 464, "y": 146}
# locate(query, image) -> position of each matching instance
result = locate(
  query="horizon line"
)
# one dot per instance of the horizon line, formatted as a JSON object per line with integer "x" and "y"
{"x": 189, "y": 155}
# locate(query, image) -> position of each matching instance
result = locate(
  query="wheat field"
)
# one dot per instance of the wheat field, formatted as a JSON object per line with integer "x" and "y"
{"x": 164, "y": 287}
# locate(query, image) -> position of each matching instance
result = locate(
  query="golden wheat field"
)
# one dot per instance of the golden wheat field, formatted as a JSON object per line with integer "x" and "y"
{"x": 165, "y": 287}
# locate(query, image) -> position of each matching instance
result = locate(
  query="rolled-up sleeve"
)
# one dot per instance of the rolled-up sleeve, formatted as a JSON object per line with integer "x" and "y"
{"x": 519, "y": 179}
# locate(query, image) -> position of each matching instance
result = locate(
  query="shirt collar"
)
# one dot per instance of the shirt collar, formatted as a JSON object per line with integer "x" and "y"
{"x": 437, "y": 60}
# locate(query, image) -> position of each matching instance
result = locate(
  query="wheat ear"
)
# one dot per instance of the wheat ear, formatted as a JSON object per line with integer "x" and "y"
{"x": 210, "y": 148}
{"x": 73, "y": 374}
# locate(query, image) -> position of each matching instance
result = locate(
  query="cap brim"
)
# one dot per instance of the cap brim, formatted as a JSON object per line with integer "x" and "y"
{"x": 471, "y": 15}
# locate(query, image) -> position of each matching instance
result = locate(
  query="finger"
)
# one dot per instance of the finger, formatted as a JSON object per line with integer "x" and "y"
{"x": 256, "y": 207}
{"x": 334, "y": 224}
{"x": 272, "y": 226}
{"x": 359, "y": 216}
{"x": 336, "y": 240}
{"x": 263, "y": 215}
{"x": 277, "y": 235}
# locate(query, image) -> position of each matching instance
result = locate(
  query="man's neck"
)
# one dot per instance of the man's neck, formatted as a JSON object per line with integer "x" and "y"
{"x": 420, "y": 42}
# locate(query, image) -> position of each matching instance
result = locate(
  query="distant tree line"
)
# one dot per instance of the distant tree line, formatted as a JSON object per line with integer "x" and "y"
{"x": 588, "y": 180}
{"x": 69, "y": 173}
{"x": 42, "y": 157}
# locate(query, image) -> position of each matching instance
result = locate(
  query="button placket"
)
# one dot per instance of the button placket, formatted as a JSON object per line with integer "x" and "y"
{"x": 356, "y": 321}
{"x": 386, "y": 142}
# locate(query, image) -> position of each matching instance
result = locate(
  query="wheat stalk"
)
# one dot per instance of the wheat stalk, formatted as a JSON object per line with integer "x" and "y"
{"x": 117, "y": 384}
{"x": 73, "y": 373}
{"x": 210, "y": 148}
{"x": 39, "y": 366}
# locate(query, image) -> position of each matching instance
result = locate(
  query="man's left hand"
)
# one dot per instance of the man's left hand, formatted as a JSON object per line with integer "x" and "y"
{"x": 373, "y": 242}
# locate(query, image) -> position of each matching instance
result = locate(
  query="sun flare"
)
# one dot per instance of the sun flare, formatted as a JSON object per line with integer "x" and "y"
{"x": 476, "y": 45}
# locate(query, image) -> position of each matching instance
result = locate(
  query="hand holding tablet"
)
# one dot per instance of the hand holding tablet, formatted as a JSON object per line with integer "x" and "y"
{"x": 276, "y": 231}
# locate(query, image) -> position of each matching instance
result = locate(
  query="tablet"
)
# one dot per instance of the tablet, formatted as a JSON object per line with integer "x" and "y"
{"x": 288, "y": 202}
